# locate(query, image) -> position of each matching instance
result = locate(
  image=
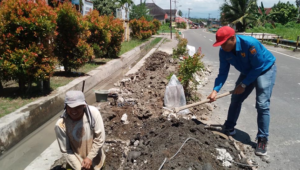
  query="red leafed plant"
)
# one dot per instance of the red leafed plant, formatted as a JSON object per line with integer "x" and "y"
{"x": 141, "y": 28}
{"x": 27, "y": 28}
{"x": 71, "y": 47}
{"x": 106, "y": 34}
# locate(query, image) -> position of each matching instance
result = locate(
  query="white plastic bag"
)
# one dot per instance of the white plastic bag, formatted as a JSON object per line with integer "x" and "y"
{"x": 174, "y": 95}
{"x": 191, "y": 49}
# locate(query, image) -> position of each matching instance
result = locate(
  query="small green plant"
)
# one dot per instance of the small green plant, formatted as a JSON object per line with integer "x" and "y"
{"x": 188, "y": 67}
{"x": 181, "y": 47}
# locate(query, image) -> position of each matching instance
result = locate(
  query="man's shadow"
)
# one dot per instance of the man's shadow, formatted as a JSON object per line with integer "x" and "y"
{"x": 244, "y": 138}
{"x": 240, "y": 135}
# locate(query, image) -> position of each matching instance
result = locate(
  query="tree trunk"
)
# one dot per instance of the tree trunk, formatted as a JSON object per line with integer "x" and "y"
{"x": 1, "y": 87}
{"x": 46, "y": 85}
{"x": 21, "y": 85}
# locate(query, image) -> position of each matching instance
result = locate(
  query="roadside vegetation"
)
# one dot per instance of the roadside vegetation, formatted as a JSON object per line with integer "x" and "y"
{"x": 56, "y": 44}
{"x": 283, "y": 19}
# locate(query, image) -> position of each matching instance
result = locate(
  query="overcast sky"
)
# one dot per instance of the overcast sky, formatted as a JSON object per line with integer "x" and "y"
{"x": 202, "y": 8}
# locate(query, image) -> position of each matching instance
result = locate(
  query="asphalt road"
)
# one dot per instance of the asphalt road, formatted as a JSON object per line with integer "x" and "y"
{"x": 284, "y": 140}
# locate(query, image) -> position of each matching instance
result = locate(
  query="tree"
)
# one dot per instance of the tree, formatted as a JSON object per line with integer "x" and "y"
{"x": 263, "y": 18}
{"x": 105, "y": 7}
{"x": 26, "y": 28}
{"x": 288, "y": 12}
{"x": 298, "y": 6}
{"x": 180, "y": 13}
{"x": 139, "y": 11}
{"x": 239, "y": 12}
{"x": 71, "y": 47}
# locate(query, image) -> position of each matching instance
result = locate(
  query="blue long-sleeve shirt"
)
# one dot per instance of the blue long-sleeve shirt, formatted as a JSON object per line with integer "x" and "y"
{"x": 251, "y": 59}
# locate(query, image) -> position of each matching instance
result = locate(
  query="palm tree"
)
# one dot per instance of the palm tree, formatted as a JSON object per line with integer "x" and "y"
{"x": 239, "y": 12}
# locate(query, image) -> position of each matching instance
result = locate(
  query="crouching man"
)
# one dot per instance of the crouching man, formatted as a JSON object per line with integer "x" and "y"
{"x": 80, "y": 133}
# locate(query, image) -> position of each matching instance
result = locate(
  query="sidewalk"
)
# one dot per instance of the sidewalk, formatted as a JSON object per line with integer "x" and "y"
{"x": 52, "y": 153}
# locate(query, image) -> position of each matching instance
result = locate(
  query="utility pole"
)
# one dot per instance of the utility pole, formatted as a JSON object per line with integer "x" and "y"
{"x": 189, "y": 15}
{"x": 171, "y": 17}
{"x": 175, "y": 1}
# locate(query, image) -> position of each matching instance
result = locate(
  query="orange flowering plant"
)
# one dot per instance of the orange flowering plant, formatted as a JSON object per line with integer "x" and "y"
{"x": 71, "y": 45}
{"x": 181, "y": 47}
{"x": 27, "y": 28}
{"x": 106, "y": 34}
{"x": 141, "y": 28}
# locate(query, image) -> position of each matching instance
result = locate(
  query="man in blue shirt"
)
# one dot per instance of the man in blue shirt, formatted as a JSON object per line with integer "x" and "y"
{"x": 258, "y": 70}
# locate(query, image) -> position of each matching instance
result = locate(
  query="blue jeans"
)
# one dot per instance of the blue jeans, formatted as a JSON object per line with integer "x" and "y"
{"x": 264, "y": 86}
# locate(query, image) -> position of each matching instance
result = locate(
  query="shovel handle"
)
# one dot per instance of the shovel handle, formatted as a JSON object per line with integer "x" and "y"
{"x": 177, "y": 109}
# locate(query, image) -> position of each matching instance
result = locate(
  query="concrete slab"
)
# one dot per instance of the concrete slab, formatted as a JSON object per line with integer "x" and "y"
{"x": 46, "y": 159}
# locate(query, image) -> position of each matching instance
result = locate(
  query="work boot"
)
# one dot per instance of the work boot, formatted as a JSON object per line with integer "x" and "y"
{"x": 229, "y": 132}
{"x": 261, "y": 147}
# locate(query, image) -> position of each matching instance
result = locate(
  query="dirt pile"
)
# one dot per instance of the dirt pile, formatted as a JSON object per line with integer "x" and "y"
{"x": 139, "y": 136}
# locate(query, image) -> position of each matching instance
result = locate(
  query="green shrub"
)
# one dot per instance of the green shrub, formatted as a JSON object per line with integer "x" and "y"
{"x": 188, "y": 67}
{"x": 71, "y": 47}
{"x": 27, "y": 28}
{"x": 141, "y": 29}
{"x": 106, "y": 32}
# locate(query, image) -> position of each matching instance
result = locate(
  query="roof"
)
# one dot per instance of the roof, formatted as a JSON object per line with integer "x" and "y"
{"x": 268, "y": 10}
{"x": 168, "y": 11}
{"x": 180, "y": 19}
{"x": 156, "y": 11}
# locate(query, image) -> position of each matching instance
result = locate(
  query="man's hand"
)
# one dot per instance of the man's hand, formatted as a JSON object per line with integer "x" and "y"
{"x": 239, "y": 90}
{"x": 212, "y": 96}
{"x": 86, "y": 163}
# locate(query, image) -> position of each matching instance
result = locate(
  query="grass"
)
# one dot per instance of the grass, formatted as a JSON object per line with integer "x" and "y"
{"x": 165, "y": 28}
{"x": 11, "y": 100}
{"x": 153, "y": 43}
{"x": 289, "y": 31}
{"x": 127, "y": 46}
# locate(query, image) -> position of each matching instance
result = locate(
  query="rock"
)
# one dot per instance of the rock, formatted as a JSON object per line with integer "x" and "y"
{"x": 114, "y": 90}
{"x": 204, "y": 117}
{"x": 124, "y": 118}
{"x": 171, "y": 60}
{"x": 209, "y": 107}
{"x": 136, "y": 143}
{"x": 208, "y": 69}
{"x": 126, "y": 80}
{"x": 133, "y": 155}
{"x": 207, "y": 166}
{"x": 120, "y": 100}
{"x": 117, "y": 84}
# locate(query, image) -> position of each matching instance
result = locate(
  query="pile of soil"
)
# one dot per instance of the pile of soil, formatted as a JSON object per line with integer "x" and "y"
{"x": 147, "y": 136}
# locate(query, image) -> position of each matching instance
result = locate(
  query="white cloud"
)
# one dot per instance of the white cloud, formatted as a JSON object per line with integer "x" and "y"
{"x": 202, "y": 8}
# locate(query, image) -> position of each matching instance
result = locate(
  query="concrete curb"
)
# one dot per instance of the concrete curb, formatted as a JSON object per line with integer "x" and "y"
{"x": 20, "y": 123}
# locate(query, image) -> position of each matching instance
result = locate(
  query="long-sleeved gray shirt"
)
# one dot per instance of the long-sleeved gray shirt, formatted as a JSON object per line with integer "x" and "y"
{"x": 77, "y": 141}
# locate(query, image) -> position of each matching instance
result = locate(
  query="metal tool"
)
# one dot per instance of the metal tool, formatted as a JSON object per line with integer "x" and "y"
{"x": 177, "y": 109}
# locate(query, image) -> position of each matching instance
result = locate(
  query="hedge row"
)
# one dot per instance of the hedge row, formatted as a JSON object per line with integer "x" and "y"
{"x": 143, "y": 29}
{"x": 34, "y": 37}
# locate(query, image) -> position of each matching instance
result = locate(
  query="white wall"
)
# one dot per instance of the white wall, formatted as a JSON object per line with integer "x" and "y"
{"x": 87, "y": 6}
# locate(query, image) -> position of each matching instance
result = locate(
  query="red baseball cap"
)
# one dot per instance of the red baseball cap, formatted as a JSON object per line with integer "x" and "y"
{"x": 223, "y": 34}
